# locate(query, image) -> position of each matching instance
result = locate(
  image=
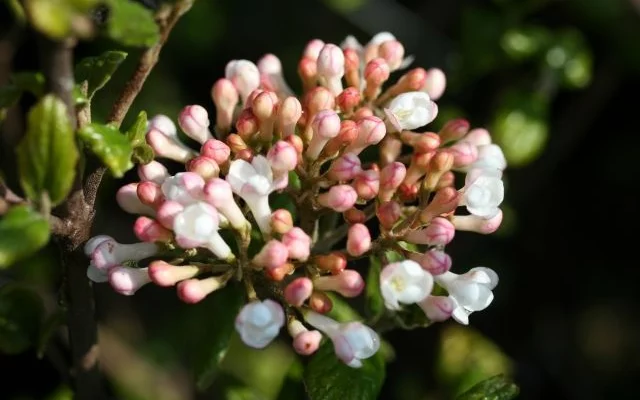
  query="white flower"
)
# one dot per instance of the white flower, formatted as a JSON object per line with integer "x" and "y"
{"x": 404, "y": 282}
{"x": 352, "y": 341}
{"x": 470, "y": 292}
{"x": 483, "y": 192}
{"x": 490, "y": 156}
{"x": 184, "y": 187}
{"x": 96, "y": 274}
{"x": 253, "y": 182}
{"x": 411, "y": 110}
{"x": 258, "y": 323}
{"x": 107, "y": 253}
{"x": 197, "y": 226}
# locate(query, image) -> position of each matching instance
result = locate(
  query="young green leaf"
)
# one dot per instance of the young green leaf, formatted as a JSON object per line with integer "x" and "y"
{"x": 131, "y": 24}
{"x": 327, "y": 378}
{"x": 136, "y": 132}
{"x": 494, "y": 388}
{"x": 20, "y": 317}
{"x": 98, "y": 70}
{"x": 375, "y": 304}
{"x": 111, "y": 146}
{"x": 22, "y": 232}
{"x": 225, "y": 305}
{"x": 142, "y": 154}
{"x": 47, "y": 155}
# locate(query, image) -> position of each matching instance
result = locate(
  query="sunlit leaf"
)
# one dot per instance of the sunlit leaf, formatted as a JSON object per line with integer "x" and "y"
{"x": 98, "y": 70}
{"x": 328, "y": 378}
{"x": 47, "y": 155}
{"x": 21, "y": 311}
{"x": 58, "y": 18}
{"x": 111, "y": 146}
{"x": 136, "y": 132}
{"x": 131, "y": 24}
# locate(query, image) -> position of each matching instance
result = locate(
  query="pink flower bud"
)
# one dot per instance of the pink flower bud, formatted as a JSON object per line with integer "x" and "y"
{"x": 376, "y": 73}
{"x": 349, "y": 283}
{"x": 438, "y": 308}
{"x": 225, "y": 96}
{"x": 194, "y": 121}
{"x": 247, "y": 124}
{"x": 348, "y": 99}
{"x": 391, "y": 177}
{"x": 272, "y": 255}
{"x": 393, "y": 53}
{"x": 216, "y": 150}
{"x": 339, "y": 198}
{"x": 193, "y": 291}
{"x": 282, "y": 157}
{"x": 438, "y": 233}
{"x": 289, "y": 113}
{"x": 390, "y": 150}
{"x": 307, "y": 343}
{"x": 418, "y": 167}
{"x": 354, "y": 216}
{"x": 367, "y": 184}
{"x": 435, "y": 83}
{"x": 348, "y": 133}
{"x": 206, "y": 167}
{"x": 150, "y": 194}
{"x": 389, "y": 213}
{"x": 345, "y": 168}
{"x": 298, "y": 244}
{"x": 447, "y": 179}
{"x": 281, "y": 221}
{"x": 153, "y": 171}
{"x": 334, "y": 262}
{"x": 352, "y": 67}
{"x": 358, "y": 240}
{"x": 278, "y": 273}
{"x": 218, "y": 193}
{"x": 313, "y": 48}
{"x": 270, "y": 69}
{"x": 127, "y": 198}
{"x": 150, "y": 230}
{"x": 371, "y": 130}
{"x": 319, "y": 98}
{"x": 464, "y": 154}
{"x": 474, "y": 223}
{"x": 163, "y": 124}
{"x": 244, "y": 75}
{"x": 325, "y": 125}
{"x": 127, "y": 281}
{"x": 164, "y": 274}
{"x": 167, "y": 212}
{"x": 320, "y": 302}
{"x": 307, "y": 71}
{"x": 454, "y": 130}
{"x": 236, "y": 143}
{"x": 445, "y": 201}
{"x": 330, "y": 67}
{"x": 478, "y": 137}
{"x": 264, "y": 108}
{"x": 298, "y": 291}
{"x": 421, "y": 142}
{"x": 436, "y": 262}
{"x": 167, "y": 147}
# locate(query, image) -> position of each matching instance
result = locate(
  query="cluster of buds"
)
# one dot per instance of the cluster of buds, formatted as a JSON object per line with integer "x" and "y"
{"x": 336, "y": 149}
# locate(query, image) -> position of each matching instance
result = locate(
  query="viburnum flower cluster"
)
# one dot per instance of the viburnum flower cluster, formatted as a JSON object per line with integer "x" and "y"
{"x": 338, "y": 148}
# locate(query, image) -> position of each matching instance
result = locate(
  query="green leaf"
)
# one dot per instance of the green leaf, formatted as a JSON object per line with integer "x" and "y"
{"x": 494, "y": 388}
{"x": 341, "y": 310}
{"x": 225, "y": 305}
{"x": 375, "y": 302}
{"x": 327, "y": 378}
{"x": 98, "y": 70}
{"x": 47, "y": 155}
{"x": 131, "y": 24}
{"x": 142, "y": 154}
{"x": 32, "y": 82}
{"x": 58, "y": 19}
{"x": 111, "y": 146}
{"x": 136, "y": 132}
{"x": 22, "y": 232}
{"x": 411, "y": 317}
{"x": 20, "y": 314}
{"x": 78, "y": 97}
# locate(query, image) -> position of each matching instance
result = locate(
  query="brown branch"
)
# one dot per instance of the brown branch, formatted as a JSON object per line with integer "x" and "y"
{"x": 166, "y": 19}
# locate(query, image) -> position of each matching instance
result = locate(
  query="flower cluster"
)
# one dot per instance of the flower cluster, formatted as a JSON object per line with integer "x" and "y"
{"x": 337, "y": 149}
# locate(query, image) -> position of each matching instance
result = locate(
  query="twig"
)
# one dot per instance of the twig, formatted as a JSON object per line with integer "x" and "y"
{"x": 167, "y": 19}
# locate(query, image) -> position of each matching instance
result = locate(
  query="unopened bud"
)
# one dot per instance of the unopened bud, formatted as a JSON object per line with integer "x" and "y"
{"x": 358, "y": 240}
{"x": 354, "y": 216}
{"x": 164, "y": 274}
{"x": 225, "y": 96}
{"x": 281, "y": 221}
{"x": 298, "y": 291}
{"x": 388, "y": 214}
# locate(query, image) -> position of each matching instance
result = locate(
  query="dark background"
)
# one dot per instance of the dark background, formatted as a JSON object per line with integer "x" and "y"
{"x": 564, "y": 322}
